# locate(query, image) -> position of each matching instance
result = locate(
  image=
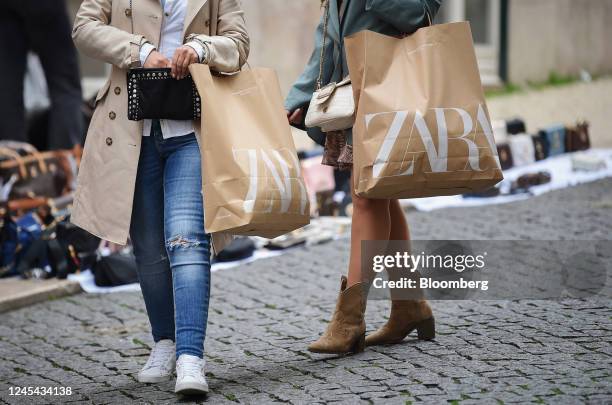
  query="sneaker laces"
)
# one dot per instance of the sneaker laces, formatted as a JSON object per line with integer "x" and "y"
{"x": 159, "y": 356}
{"x": 191, "y": 369}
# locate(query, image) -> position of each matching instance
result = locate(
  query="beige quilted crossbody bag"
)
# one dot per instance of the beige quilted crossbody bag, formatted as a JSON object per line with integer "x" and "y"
{"x": 332, "y": 107}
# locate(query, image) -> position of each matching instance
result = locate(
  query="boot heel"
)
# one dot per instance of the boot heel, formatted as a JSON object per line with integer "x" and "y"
{"x": 426, "y": 330}
{"x": 359, "y": 345}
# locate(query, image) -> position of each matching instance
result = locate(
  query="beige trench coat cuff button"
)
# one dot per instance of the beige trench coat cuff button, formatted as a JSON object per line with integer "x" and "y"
{"x": 109, "y": 141}
{"x": 112, "y": 115}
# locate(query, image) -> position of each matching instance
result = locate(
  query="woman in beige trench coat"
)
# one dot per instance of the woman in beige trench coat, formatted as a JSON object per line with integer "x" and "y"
{"x": 143, "y": 179}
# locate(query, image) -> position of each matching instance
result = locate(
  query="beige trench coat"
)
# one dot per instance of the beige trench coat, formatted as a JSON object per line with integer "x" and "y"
{"x": 102, "y": 30}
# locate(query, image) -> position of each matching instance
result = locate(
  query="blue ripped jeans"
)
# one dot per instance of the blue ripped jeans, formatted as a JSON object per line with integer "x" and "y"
{"x": 171, "y": 247}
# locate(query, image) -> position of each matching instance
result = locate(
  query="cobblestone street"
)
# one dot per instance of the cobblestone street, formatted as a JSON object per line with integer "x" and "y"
{"x": 263, "y": 315}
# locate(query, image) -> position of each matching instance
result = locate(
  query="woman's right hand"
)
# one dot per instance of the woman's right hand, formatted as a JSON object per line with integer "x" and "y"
{"x": 157, "y": 60}
{"x": 295, "y": 117}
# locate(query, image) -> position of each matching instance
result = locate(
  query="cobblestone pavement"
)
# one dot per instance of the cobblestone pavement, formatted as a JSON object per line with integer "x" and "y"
{"x": 262, "y": 317}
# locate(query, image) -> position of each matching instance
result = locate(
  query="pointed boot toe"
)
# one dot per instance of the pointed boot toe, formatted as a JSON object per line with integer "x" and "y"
{"x": 345, "y": 332}
{"x": 338, "y": 346}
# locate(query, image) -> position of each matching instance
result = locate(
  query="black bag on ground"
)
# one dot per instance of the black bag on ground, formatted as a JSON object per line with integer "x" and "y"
{"x": 515, "y": 126}
{"x": 71, "y": 248}
{"x": 115, "y": 270}
{"x": 71, "y": 235}
{"x": 34, "y": 263}
{"x": 240, "y": 248}
{"x": 539, "y": 147}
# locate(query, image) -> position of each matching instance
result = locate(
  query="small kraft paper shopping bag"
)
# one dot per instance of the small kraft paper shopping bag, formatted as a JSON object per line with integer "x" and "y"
{"x": 252, "y": 183}
{"x": 422, "y": 127}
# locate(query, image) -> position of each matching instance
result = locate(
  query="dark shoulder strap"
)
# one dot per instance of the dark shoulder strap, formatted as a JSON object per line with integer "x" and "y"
{"x": 213, "y": 17}
{"x": 131, "y": 16}
{"x": 343, "y": 5}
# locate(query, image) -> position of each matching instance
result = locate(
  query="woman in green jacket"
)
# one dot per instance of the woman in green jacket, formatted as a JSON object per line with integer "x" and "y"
{"x": 372, "y": 219}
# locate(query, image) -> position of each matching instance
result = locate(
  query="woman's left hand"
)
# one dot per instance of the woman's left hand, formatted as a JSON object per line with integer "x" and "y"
{"x": 183, "y": 57}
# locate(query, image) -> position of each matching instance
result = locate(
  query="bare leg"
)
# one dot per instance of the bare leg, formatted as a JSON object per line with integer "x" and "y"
{"x": 401, "y": 232}
{"x": 345, "y": 332}
{"x": 409, "y": 311}
{"x": 371, "y": 221}
{"x": 399, "y": 225}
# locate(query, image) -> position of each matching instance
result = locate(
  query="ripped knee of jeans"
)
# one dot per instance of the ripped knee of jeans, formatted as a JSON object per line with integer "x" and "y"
{"x": 181, "y": 242}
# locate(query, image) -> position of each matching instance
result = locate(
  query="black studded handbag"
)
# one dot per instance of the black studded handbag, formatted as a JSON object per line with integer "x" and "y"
{"x": 155, "y": 94}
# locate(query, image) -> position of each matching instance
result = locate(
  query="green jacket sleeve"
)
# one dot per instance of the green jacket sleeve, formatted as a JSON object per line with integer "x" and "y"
{"x": 405, "y": 15}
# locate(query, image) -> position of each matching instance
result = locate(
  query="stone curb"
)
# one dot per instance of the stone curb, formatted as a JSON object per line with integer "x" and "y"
{"x": 32, "y": 292}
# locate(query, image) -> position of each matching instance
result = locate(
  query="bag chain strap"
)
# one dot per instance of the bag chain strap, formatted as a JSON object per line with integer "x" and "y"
{"x": 322, "y": 56}
{"x": 132, "y": 16}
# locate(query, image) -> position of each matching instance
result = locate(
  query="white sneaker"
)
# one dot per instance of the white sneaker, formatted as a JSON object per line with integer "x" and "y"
{"x": 190, "y": 379}
{"x": 161, "y": 363}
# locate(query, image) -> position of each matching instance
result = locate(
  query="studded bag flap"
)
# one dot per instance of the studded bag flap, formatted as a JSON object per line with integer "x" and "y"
{"x": 154, "y": 94}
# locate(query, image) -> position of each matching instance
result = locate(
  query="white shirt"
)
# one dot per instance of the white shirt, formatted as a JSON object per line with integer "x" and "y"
{"x": 171, "y": 38}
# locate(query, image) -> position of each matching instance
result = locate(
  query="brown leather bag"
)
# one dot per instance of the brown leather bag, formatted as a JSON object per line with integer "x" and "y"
{"x": 35, "y": 174}
{"x": 577, "y": 138}
{"x": 505, "y": 156}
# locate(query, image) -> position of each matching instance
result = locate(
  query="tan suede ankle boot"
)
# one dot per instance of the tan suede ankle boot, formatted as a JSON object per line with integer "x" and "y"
{"x": 405, "y": 317}
{"x": 346, "y": 330}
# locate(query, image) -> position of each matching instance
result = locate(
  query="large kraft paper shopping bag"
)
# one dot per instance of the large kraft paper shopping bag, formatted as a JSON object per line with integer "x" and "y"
{"x": 252, "y": 183}
{"x": 422, "y": 126}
